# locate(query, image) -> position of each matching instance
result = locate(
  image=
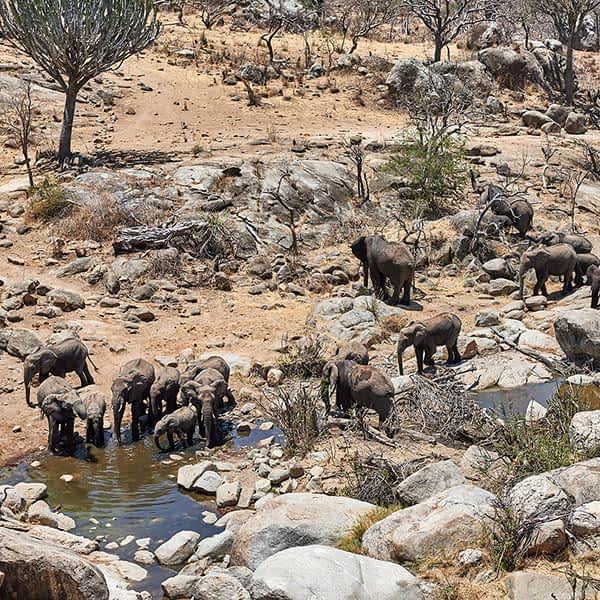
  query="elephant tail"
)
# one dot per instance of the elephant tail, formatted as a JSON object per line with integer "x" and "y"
{"x": 93, "y": 364}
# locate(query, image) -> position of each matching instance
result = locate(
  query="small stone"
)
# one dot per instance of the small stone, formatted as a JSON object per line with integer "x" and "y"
{"x": 112, "y": 546}
{"x": 66, "y": 478}
{"x": 16, "y": 429}
{"x": 278, "y": 475}
{"x": 228, "y": 494}
{"x": 266, "y": 425}
{"x": 127, "y": 540}
{"x": 296, "y": 471}
{"x": 470, "y": 557}
{"x": 144, "y": 557}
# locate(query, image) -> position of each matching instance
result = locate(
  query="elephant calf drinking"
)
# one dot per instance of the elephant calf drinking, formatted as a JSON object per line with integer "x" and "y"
{"x": 181, "y": 422}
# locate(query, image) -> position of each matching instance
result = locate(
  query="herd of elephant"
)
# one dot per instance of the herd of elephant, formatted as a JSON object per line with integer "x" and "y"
{"x": 171, "y": 402}
{"x": 174, "y": 403}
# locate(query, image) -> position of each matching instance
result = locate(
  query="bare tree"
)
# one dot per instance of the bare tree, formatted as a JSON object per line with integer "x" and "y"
{"x": 358, "y": 18}
{"x": 356, "y": 153}
{"x": 16, "y": 121}
{"x": 74, "y": 41}
{"x": 447, "y": 19}
{"x": 211, "y": 11}
{"x": 567, "y": 17}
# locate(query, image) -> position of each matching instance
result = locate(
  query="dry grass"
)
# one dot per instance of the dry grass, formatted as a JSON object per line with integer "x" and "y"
{"x": 352, "y": 542}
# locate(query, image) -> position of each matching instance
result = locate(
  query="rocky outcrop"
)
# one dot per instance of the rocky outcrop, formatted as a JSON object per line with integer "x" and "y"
{"x": 512, "y": 69}
{"x": 294, "y": 520}
{"x": 43, "y": 571}
{"x": 429, "y": 481}
{"x": 331, "y": 574}
{"x": 444, "y": 523}
{"x": 578, "y": 333}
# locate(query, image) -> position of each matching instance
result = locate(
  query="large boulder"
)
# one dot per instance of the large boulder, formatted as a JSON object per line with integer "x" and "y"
{"x": 177, "y": 549}
{"x": 19, "y": 342}
{"x": 535, "y": 119}
{"x": 295, "y": 520}
{"x": 42, "y": 571}
{"x": 410, "y": 76}
{"x": 429, "y": 481}
{"x": 584, "y": 431}
{"x": 578, "y": 333}
{"x": 510, "y": 68}
{"x": 66, "y": 300}
{"x": 576, "y": 123}
{"x": 450, "y": 521}
{"x": 484, "y": 35}
{"x": 540, "y": 586}
{"x": 331, "y": 574}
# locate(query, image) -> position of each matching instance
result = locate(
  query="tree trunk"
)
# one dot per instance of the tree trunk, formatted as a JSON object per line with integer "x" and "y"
{"x": 439, "y": 45}
{"x": 64, "y": 150}
{"x": 569, "y": 73}
{"x": 354, "y": 45}
{"x": 25, "y": 151}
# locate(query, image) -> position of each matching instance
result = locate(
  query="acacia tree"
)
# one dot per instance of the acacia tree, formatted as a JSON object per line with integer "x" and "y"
{"x": 76, "y": 40}
{"x": 567, "y": 17}
{"x": 211, "y": 11}
{"x": 447, "y": 19}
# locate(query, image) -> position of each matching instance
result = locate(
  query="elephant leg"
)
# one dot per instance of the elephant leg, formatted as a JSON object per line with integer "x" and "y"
{"x": 230, "y": 398}
{"x": 406, "y": 293}
{"x": 456, "y": 353}
{"x": 83, "y": 380}
{"x": 99, "y": 441}
{"x": 395, "y": 299}
{"x": 88, "y": 375}
{"x": 378, "y": 282}
{"x": 429, "y": 357}
{"x": 171, "y": 403}
{"x": 450, "y": 355}
{"x": 52, "y": 434}
{"x": 118, "y": 413}
{"x": 171, "y": 440}
{"x": 89, "y": 433}
{"x": 544, "y": 289}
{"x": 69, "y": 435}
{"x": 595, "y": 294}
{"x": 568, "y": 285}
{"x": 136, "y": 412}
{"x": 190, "y": 437}
{"x": 419, "y": 354}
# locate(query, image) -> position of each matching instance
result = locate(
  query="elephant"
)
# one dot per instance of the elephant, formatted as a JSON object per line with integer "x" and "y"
{"x": 164, "y": 389}
{"x": 61, "y": 404}
{"x": 352, "y": 351}
{"x": 548, "y": 260}
{"x": 131, "y": 386}
{"x": 181, "y": 422}
{"x": 584, "y": 262}
{"x": 593, "y": 277}
{"x": 518, "y": 211}
{"x": 357, "y": 385}
{"x": 95, "y": 404}
{"x": 386, "y": 260}
{"x": 427, "y": 335}
{"x": 580, "y": 243}
{"x": 206, "y": 394}
{"x": 212, "y": 362}
{"x": 57, "y": 359}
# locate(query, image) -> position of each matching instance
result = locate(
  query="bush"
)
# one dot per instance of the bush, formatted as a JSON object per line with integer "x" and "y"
{"x": 352, "y": 542}
{"x": 48, "y": 202}
{"x": 295, "y": 412}
{"x": 434, "y": 168}
{"x": 304, "y": 359}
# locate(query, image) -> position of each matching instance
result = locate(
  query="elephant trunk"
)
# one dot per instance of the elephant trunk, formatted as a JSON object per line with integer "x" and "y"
{"x": 208, "y": 419}
{"x": 522, "y": 270}
{"x": 27, "y": 378}
{"x": 157, "y": 442}
{"x": 118, "y": 410}
{"x": 99, "y": 433}
{"x": 400, "y": 365}
{"x": 365, "y": 274}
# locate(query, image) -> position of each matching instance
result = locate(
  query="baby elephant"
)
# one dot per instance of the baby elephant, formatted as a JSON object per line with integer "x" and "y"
{"x": 593, "y": 277}
{"x": 181, "y": 422}
{"x": 584, "y": 262}
{"x": 426, "y": 336}
{"x": 95, "y": 404}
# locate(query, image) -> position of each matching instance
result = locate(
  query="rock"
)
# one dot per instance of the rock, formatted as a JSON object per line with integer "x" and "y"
{"x": 219, "y": 586}
{"x": 39, "y": 512}
{"x": 534, "y": 303}
{"x": 325, "y": 573}
{"x": 498, "y": 268}
{"x": 43, "y": 571}
{"x": 537, "y": 586}
{"x": 538, "y": 496}
{"x": 441, "y": 524}
{"x": 122, "y": 568}
{"x": 487, "y": 318}
{"x": 79, "y": 265}
{"x": 189, "y": 474}
{"x": 144, "y": 557}
{"x": 501, "y": 287}
{"x": 178, "y": 548}
{"x": 65, "y": 300}
{"x": 584, "y": 431}
{"x": 558, "y": 113}
{"x": 208, "y": 483}
{"x": 585, "y": 520}
{"x": 67, "y": 478}
{"x": 68, "y": 541}
{"x": 278, "y": 475}
{"x": 470, "y": 557}
{"x": 536, "y": 340}
{"x": 292, "y": 520}
{"x": 19, "y": 342}
{"x": 578, "y": 333}
{"x": 429, "y": 481}
{"x": 576, "y": 124}
{"x": 511, "y": 68}
{"x": 535, "y": 119}
{"x": 484, "y": 35}
{"x": 274, "y": 377}
{"x": 535, "y": 411}
{"x": 179, "y": 586}
{"x": 547, "y": 538}
{"x": 228, "y": 494}
{"x": 31, "y": 492}
{"x": 215, "y": 547}
{"x": 12, "y": 499}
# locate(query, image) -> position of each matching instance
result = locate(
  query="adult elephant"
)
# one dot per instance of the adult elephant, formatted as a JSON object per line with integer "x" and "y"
{"x": 593, "y": 277}
{"x": 426, "y": 336}
{"x": 95, "y": 404}
{"x": 584, "y": 262}
{"x": 206, "y": 394}
{"x": 70, "y": 355}
{"x": 578, "y": 242}
{"x": 360, "y": 386}
{"x": 61, "y": 404}
{"x": 518, "y": 211}
{"x": 384, "y": 260}
{"x": 354, "y": 351}
{"x": 131, "y": 386}
{"x": 164, "y": 391}
{"x": 550, "y": 260}
{"x": 180, "y": 422}
{"x": 195, "y": 369}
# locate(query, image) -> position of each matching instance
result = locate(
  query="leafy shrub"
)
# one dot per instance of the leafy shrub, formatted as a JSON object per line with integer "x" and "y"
{"x": 48, "y": 202}
{"x": 352, "y": 542}
{"x": 305, "y": 359}
{"x": 434, "y": 167}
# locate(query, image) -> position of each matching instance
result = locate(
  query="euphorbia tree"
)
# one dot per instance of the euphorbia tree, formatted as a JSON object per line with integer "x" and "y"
{"x": 76, "y": 40}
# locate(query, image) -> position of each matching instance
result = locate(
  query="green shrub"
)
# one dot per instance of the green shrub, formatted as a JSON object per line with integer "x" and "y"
{"x": 434, "y": 167}
{"x": 303, "y": 360}
{"x": 48, "y": 202}
{"x": 352, "y": 542}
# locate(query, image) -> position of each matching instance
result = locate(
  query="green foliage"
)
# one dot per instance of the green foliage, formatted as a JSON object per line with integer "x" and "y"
{"x": 48, "y": 202}
{"x": 434, "y": 167}
{"x": 352, "y": 542}
{"x": 303, "y": 360}
{"x": 197, "y": 149}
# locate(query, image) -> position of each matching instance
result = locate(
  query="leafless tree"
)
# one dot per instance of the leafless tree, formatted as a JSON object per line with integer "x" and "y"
{"x": 447, "y": 19}
{"x": 355, "y": 152}
{"x": 16, "y": 121}
{"x": 358, "y": 18}
{"x": 211, "y": 11}
{"x": 74, "y": 41}
{"x": 567, "y": 17}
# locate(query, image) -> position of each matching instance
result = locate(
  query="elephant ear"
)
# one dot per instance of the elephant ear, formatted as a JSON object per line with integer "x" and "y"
{"x": 47, "y": 360}
{"x": 420, "y": 334}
